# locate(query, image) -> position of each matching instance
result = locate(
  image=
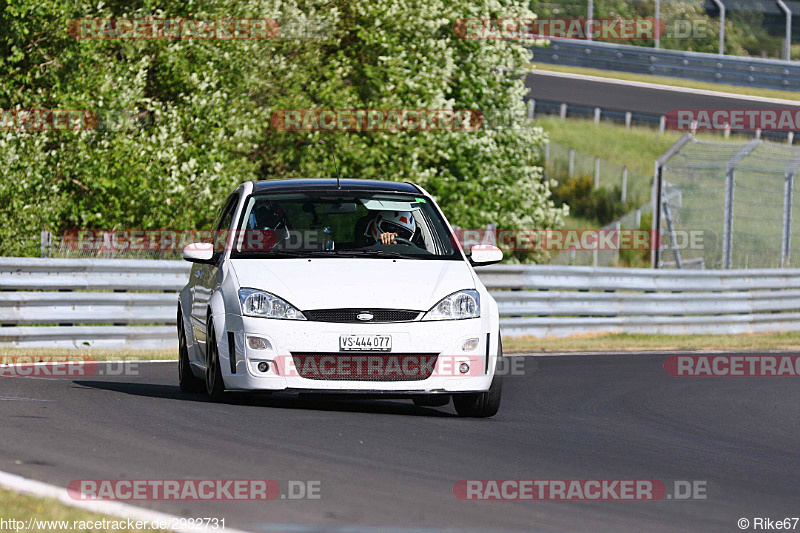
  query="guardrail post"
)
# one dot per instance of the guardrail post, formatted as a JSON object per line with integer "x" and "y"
{"x": 628, "y": 118}
{"x": 597, "y": 115}
{"x": 662, "y": 124}
{"x": 531, "y": 108}
{"x": 563, "y": 112}
{"x": 624, "y": 195}
{"x": 571, "y": 163}
{"x": 596, "y": 173}
{"x": 637, "y": 217}
{"x": 790, "y": 138}
{"x": 617, "y": 231}
{"x": 727, "y": 131}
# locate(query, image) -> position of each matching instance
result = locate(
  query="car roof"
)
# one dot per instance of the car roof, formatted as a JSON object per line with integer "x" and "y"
{"x": 331, "y": 185}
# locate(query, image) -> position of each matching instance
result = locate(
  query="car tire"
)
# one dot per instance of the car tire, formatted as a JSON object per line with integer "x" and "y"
{"x": 187, "y": 381}
{"x": 215, "y": 386}
{"x": 432, "y": 400}
{"x": 482, "y": 404}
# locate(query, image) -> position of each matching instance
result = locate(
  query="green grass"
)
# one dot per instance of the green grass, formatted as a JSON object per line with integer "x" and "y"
{"x": 14, "y": 505}
{"x": 675, "y": 82}
{"x": 627, "y": 342}
{"x": 637, "y": 148}
{"x": 576, "y": 222}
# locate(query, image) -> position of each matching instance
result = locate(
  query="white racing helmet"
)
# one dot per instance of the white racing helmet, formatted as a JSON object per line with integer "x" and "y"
{"x": 400, "y": 222}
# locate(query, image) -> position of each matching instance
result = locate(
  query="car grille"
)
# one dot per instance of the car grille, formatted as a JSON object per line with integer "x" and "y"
{"x": 374, "y": 366}
{"x": 350, "y": 315}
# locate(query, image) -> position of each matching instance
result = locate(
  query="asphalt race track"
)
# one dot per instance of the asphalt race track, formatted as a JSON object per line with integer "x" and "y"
{"x": 630, "y": 97}
{"x": 389, "y": 465}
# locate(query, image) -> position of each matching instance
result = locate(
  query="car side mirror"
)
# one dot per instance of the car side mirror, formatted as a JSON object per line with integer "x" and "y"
{"x": 485, "y": 254}
{"x": 199, "y": 252}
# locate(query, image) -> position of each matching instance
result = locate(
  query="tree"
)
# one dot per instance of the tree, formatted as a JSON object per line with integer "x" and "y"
{"x": 196, "y": 113}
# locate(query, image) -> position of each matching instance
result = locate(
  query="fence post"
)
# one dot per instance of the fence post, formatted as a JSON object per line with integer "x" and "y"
{"x": 617, "y": 231}
{"x": 786, "y": 240}
{"x": 628, "y": 118}
{"x": 563, "y": 112}
{"x": 571, "y": 163}
{"x": 637, "y": 216}
{"x": 596, "y": 173}
{"x": 624, "y": 196}
{"x": 531, "y": 108}
{"x": 730, "y": 183}
{"x": 597, "y": 115}
{"x": 662, "y": 124}
{"x": 658, "y": 23}
{"x": 727, "y": 221}
{"x": 790, "y": 138}
{"x": 46, "y": 241}
{"x": 589, "y": 17}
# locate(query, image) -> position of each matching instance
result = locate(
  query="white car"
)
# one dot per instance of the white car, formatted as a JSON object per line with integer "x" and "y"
{"x": 354, "y": 287}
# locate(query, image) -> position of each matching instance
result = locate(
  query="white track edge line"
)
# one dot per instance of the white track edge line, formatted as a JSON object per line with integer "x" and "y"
{"x": 121, "y": 510}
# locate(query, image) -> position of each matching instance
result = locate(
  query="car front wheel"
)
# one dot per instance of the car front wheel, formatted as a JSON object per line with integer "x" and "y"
{"x": 215, "y": 386}
{"x": 481, "y": 404}
{"x": 187, "y": 381}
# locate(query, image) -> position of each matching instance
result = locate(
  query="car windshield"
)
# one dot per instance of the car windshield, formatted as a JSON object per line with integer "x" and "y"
{"x": 342, "y": 224}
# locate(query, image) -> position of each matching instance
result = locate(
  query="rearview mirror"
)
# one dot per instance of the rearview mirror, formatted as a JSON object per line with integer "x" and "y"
{"x": 340, "y": 208}
{"x": 485, "y": 254}
{"x": 199, "y": 252}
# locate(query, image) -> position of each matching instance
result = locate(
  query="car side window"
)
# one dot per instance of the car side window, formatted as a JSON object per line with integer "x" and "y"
{"x": 224, "y": 224}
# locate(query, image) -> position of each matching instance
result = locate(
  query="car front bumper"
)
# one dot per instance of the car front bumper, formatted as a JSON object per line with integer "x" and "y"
{"x": 288, "y": 338}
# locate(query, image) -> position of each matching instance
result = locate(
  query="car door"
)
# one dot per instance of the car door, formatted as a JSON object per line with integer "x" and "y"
{"x": 204, "y": 277}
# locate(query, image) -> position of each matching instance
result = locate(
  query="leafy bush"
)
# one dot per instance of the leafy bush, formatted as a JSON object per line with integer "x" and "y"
{"x": 602, "y": 205}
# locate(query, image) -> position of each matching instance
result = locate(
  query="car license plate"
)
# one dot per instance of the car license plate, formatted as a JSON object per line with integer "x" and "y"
{"x": 379, "y": 343}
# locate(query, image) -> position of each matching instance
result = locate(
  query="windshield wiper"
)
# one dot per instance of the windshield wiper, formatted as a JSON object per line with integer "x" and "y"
{"x": 282, "y": 253}
{"x": 374, "y": 252}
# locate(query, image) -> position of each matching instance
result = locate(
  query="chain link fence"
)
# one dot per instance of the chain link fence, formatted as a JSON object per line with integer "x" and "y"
{"x": 729, "y": 205}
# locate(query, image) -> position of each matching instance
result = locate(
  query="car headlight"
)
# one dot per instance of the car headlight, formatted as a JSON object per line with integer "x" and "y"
{"x": 457, "y": 306}
{"x": 265, "y": 305}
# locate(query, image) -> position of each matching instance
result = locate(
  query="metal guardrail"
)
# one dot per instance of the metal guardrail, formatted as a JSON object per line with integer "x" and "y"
{"x": 100, "y": 303}
{"x": 748, "y": 71}
{"x": 68, "y": 303}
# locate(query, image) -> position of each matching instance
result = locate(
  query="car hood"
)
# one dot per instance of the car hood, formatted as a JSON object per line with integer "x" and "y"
{"x": 348, "y": 283}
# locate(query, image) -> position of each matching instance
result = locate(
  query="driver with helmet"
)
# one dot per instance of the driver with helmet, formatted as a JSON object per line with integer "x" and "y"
{"x": 390, "y": 225}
